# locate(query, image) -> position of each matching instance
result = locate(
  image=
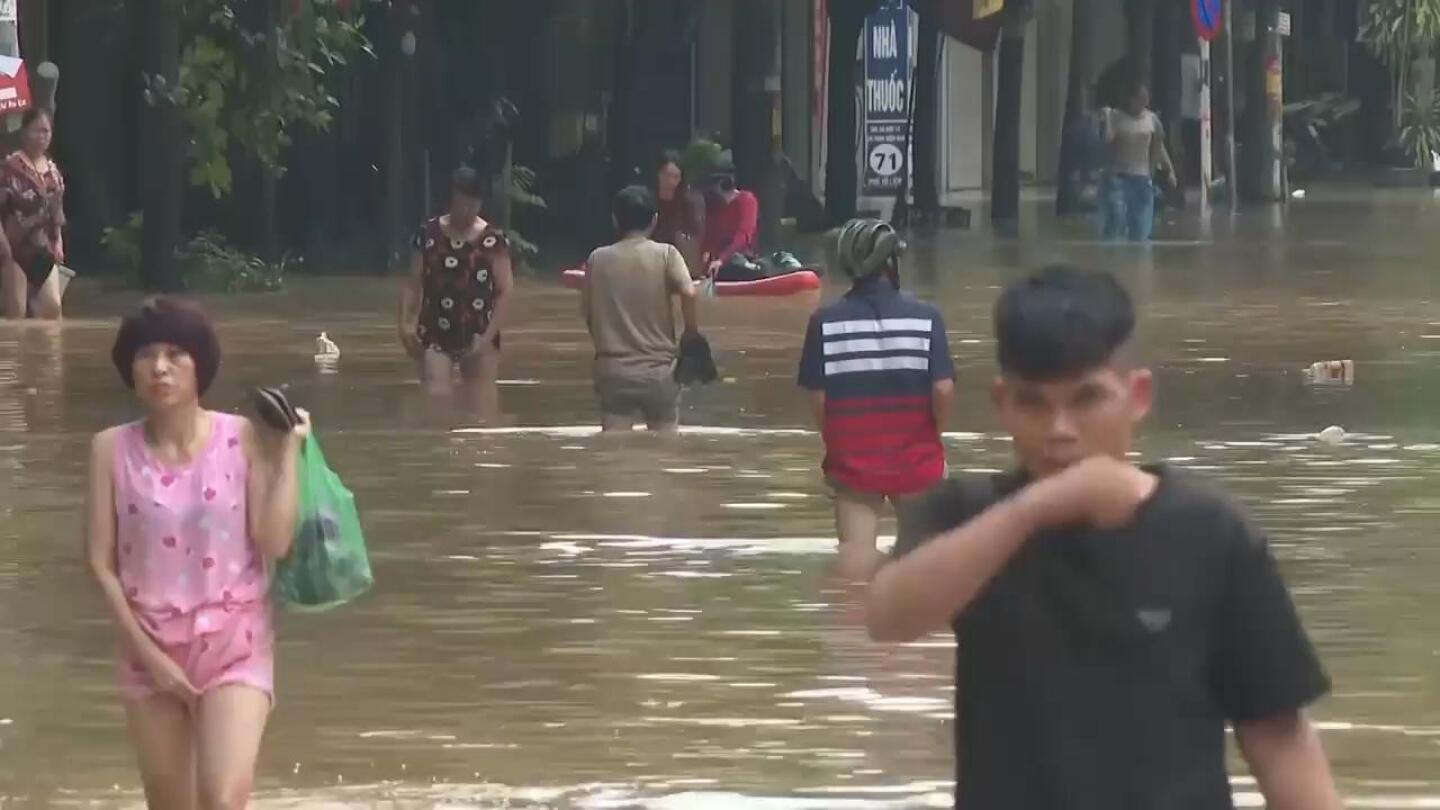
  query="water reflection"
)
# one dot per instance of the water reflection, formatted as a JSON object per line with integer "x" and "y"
{"x": 569, "y": 620}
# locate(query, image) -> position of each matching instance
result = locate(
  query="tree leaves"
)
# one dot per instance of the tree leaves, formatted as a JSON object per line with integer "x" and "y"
{"x": 1420, "y": 129}
{"x": 247, "y": 88}
{"x": 1400, "y": 30}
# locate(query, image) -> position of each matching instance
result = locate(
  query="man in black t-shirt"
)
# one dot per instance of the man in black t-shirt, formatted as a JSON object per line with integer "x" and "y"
{"x": 1110, "y": 619}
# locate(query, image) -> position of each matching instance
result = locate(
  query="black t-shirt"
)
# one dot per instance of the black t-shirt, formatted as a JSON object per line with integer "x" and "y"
{"x": 1098, "y": 669}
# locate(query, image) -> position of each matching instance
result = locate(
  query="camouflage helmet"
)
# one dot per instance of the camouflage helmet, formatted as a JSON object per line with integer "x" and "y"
{"x": 863, "y": 247}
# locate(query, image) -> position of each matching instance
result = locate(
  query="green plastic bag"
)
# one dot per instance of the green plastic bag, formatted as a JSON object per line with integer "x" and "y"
{"x": 327, "y": 565}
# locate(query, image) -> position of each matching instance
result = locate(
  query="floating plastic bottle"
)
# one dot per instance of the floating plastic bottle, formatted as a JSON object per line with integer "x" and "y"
{"x": 327, "y": 354}
{"x": 325, "y": 347}
{"x": 1331, "y": 372}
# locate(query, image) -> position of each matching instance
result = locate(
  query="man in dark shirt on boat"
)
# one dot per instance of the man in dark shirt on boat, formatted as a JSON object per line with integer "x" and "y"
{"x": 1111, "y": 619}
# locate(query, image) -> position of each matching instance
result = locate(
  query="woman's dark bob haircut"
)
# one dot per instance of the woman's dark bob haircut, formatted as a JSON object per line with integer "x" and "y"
{"x": 34, "y": 114}
{"x": 466, "y": 182}
{"x": 174, "y": 320}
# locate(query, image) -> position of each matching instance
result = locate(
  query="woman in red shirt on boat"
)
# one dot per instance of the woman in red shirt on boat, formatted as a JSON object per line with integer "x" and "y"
{"x": 732, "y": 220}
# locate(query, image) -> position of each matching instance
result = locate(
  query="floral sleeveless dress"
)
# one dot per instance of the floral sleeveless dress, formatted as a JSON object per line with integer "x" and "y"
{"x": 32, "y": 211}
{"x": 458, "y": 286}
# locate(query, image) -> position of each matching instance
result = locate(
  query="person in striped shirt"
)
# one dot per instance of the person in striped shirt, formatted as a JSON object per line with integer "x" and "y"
{"x": 881, "y": 381}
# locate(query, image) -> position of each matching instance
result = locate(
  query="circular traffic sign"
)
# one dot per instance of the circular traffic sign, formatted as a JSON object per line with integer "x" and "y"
{"x": 886, "y": 160}
{"x": 1209, "y": 17}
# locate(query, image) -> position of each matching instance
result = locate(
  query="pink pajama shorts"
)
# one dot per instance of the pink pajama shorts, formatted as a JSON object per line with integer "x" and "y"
{"x": 223, "y": 645}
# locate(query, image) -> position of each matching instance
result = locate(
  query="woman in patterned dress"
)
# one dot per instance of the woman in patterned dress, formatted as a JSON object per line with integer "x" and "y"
{"x": 32, "y": 211}
{"x": 454, "y": 300}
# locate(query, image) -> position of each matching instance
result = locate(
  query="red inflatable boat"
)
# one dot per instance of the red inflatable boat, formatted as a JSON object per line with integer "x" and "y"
{"x": 786, "y": 284}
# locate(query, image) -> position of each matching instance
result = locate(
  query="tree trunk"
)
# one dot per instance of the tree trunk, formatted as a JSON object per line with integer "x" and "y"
{"x": 392, "y": 110}
{"x": 1009, "y": 87}
{"x": 164, "y": 152}
{"x": 842, "y": 179}
{"x": 925, "y": 136}
{"x": 622, "y": 162}
{"x": 1077, "y": 108}
{"x": 1139, "y": 36}
{"x": 1259, "y": 155}
{"x": 1165, "y": 77}
{"x": 269, "y": 68}
{"x": 1370, "y": 82}
{"x": 756, "y": 105}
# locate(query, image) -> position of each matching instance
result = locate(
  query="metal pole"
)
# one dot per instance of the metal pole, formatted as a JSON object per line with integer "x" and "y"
{"x": 1232, "y": 178}
{"x": 1271, "y": 139}
{"x": 1206, "y": 161}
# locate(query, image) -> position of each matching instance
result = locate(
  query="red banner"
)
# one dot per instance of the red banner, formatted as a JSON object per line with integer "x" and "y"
{"x": 14, "y": 85}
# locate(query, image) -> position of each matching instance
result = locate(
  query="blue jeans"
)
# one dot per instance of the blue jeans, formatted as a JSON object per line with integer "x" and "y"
{"x": 1128, "y": 208}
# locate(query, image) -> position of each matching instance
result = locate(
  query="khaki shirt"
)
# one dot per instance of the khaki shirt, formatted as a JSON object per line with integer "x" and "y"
{"x": 629, "y": 307}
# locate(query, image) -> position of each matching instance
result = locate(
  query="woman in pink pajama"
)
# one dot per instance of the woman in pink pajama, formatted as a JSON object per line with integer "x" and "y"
{"x": 187, "y": 509}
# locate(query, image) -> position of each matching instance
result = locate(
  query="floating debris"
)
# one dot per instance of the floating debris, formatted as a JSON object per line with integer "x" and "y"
{"x": 1331, "y": 372}
{"x": 326, "y": 352}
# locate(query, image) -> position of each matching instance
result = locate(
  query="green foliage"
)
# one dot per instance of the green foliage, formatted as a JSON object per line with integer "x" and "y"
{"x": 523, "y": 252}
{"x": 1397, "y": 31}
{"x": 122, "y": 242}
{"x": 246, "y": 88}
{"x": 519, "y": 185}
{"x": 207, "y": 262}
{"x": 1420, "y": 129}
{"x": 210, "y": 264}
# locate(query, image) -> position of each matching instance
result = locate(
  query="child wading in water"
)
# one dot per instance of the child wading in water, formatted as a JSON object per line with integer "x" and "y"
{"x": 187, "y": 509}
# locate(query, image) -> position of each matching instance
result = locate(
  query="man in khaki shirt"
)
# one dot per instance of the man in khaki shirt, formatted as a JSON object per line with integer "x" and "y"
{"x": 626, "y": 303}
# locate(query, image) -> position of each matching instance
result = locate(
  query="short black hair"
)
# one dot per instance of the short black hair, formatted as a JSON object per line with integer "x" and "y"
{"x": 168, "y": 319}
{"x": 1061, "y": 322}
{"x": 634, "y": 209}
{"x": 466, "y": 182}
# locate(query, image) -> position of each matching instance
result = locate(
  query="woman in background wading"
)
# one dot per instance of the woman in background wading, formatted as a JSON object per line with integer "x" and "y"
{"x": 32, "y": 212}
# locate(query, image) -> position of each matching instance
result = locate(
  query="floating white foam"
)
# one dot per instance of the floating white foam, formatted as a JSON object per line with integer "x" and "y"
{"x": 724, "y": 722}
{"x": 743, "y": 545}
{"x": 577, "y": 431}
{"x": 602, "y": 796}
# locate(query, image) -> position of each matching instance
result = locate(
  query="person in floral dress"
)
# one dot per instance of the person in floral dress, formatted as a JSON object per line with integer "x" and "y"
{"x": 454, "y": 299}
{"x": 32, "y": 214}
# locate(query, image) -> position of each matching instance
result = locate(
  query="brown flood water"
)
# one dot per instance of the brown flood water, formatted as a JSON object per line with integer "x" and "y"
{"x": 568, "y": 621}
